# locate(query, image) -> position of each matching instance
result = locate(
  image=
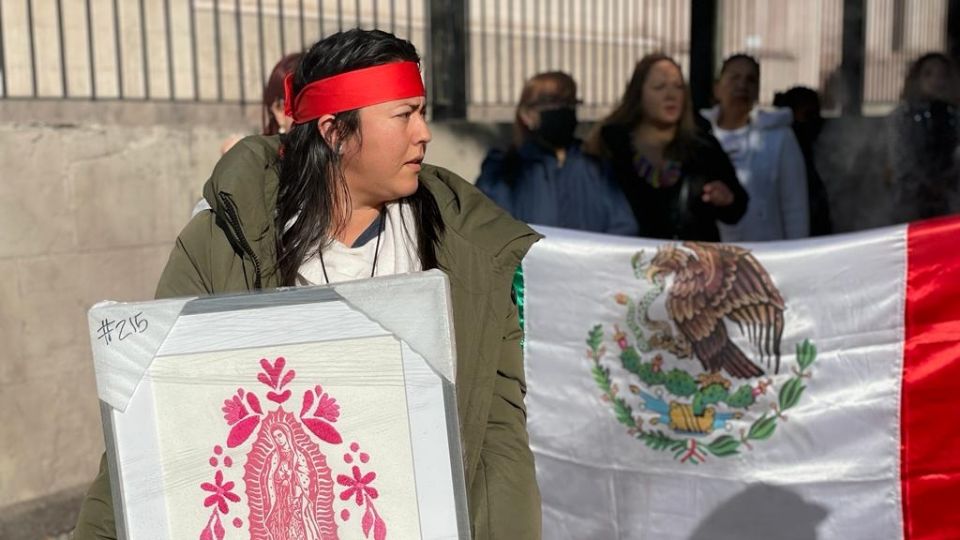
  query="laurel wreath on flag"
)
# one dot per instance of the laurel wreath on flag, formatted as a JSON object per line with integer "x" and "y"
{"x": 693, "y": 450}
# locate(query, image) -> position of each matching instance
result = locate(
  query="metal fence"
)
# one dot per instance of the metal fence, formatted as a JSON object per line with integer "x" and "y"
{"x": 222, "y": 50}
{"x": 596, "y": 41}
{"x": 800, "y": 43}
{"x": 898, "y": 31}
{"x": 179, "y": 50}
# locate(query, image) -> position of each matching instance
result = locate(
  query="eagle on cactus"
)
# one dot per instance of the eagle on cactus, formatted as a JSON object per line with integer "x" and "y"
{"x": 714, "y": 282}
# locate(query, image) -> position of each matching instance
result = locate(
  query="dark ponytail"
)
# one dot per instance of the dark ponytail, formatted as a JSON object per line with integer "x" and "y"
{"x": 313, "y": 191}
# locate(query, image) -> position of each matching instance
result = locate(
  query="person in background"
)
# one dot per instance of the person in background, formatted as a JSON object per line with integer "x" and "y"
{"x": 676, "y": 177}
{"x": 764, "y": 151}
{"x": 924, "y": 141}
{"x": 273, "y": 119}
{"x": 807, "y": 123}
{"x": 544, "y": 177}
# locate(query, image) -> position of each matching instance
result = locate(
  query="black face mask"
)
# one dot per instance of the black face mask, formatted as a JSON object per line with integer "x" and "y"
{"x": 556, "y": 127}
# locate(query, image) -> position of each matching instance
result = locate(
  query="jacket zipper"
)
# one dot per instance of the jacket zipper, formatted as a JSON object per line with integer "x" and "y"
{"x": 233, "y": 220}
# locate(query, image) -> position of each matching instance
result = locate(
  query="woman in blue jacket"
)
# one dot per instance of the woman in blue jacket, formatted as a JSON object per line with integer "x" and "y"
{"x": 544, "y": 178}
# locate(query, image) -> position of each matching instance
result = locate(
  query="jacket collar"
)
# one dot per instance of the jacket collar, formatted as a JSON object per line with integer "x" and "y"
{"x": 760, "y": 117}
{"x": 532, "y": 151}
{"x": 242, "y": 193}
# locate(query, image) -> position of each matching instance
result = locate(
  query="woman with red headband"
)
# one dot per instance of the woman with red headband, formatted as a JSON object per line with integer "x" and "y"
{"x": 345, "y": 195}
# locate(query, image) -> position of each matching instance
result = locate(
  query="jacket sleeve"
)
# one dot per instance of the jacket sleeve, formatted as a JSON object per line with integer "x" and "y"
{"x": 726, "y": 173}
{"x": 187, "y": 270}
{"x": 183, "y": 276}
{"x": 620, "y": 218}
{"x": 506, "y": 478}
{"x": 96, "y": 521}
{"x": 493, "y": 182}
{"x": 792, "y": 189}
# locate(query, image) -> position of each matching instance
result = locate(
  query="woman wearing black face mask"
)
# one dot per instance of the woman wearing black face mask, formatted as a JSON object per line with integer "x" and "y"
{"x": 544, "y": 178}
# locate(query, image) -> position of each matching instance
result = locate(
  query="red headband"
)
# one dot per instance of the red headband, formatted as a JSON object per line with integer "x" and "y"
{"x": 352, "y": 90}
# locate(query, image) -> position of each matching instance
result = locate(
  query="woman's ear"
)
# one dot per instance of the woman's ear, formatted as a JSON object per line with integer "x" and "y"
{"x": 327, "y": 131}
{"x": 277, "y": 110}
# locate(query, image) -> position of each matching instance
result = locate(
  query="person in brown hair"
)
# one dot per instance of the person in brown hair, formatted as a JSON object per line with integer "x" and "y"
{"x": 677, "y": 178}
{"x": 273, "y": 119}
{"x": 924, "y": 140}
{"x": 544, "y": 177}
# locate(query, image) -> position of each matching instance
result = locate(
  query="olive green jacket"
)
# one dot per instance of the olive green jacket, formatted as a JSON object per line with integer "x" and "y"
{"x": 232, "y": 248}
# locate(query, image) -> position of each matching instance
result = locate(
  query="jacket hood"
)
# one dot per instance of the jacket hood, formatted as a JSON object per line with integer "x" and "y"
{"x": 241, "y": 174}
{"x": 762, "y": 118}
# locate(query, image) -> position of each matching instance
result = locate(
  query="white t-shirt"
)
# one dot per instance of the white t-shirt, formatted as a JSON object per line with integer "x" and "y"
{"x": 736, "y": 143}
{"x": 397, "y": 253}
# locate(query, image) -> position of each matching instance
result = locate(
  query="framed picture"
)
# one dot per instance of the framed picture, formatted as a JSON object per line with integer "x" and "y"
{"x": 313, "y": 413}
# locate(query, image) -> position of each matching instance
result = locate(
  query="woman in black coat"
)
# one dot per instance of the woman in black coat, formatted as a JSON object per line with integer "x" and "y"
{"x": 677, "y": 178}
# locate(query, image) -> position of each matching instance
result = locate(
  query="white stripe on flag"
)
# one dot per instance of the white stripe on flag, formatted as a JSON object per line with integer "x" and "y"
{"x": 827, "y": 470}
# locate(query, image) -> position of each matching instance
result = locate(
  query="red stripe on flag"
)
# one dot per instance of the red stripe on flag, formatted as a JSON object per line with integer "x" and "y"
{"x": 930, "y": 424}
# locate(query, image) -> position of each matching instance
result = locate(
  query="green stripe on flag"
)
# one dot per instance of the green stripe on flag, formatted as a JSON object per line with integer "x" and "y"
{"x": 518, "y": 291}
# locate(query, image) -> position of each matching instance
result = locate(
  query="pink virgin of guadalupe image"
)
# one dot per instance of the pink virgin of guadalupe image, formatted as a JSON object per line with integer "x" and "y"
{"x": 288, "y": 484}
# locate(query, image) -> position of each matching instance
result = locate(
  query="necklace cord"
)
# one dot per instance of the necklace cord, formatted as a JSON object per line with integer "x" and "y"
{"x": 376, "y": 249}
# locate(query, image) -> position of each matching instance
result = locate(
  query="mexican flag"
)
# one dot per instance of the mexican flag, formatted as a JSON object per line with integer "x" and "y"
{"x": 805, "y": 389}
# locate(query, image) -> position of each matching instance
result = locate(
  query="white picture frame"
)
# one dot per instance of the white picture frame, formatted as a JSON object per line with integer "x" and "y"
{"x": 338, "y": 416}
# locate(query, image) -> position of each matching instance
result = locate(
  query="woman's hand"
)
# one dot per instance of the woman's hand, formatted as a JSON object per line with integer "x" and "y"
{"x": 717, "y": 193}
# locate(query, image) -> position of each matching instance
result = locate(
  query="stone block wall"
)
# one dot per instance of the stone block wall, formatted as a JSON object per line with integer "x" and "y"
{"x": 87, "y": 212}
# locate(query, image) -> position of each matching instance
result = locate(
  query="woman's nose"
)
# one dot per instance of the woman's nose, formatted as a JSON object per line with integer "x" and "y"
{"x": 421, "y": 133}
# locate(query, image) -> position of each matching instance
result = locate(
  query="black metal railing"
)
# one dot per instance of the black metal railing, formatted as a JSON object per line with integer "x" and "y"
{"x": 221, "y": 51}
{"x": 801, "y": 43}
{"x": 178, "y": 50}
{"x": 596, "y": 41}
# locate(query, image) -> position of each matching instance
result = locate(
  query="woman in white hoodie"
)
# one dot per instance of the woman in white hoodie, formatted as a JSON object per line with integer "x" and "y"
{"x": 765, "y": 153}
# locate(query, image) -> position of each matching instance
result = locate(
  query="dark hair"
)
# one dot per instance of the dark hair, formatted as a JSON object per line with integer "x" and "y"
{"x": 556, "y": 84}
{"x": 629, "y": 112}
{"x": 273, "y": 90}
{"x": 313, "y": 200}
{"x": 911, "y": 84}
{"x": 796, "y": 96}
{"x": 736, "y": 58}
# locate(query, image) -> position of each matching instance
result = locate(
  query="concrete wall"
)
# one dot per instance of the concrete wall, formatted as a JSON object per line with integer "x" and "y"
{"x": 87, "y": 212}
{"x": 91, "y": 199}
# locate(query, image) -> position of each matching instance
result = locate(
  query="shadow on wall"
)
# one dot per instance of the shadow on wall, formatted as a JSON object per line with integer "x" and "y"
{"x": 763, "y": 511}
